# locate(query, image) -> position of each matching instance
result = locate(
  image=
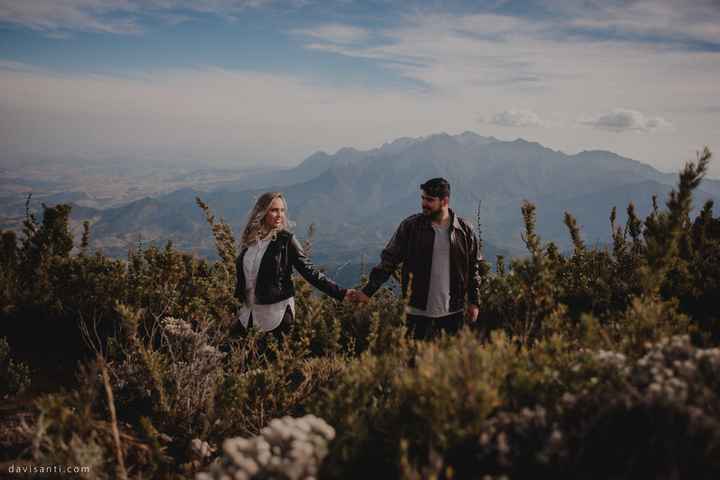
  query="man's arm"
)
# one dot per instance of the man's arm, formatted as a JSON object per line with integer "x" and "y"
{"x": 474, "y": 269}
{"x": 392, "y": 256}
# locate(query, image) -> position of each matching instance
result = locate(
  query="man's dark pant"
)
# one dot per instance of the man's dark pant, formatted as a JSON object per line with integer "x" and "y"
{"x": 425, "y": 328}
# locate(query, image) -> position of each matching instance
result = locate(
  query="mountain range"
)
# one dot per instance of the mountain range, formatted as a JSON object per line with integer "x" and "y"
{"x": 356, "y": 198}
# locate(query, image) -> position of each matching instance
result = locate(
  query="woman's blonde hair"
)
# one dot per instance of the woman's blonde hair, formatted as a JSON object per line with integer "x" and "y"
{"x": 255, "y": 228}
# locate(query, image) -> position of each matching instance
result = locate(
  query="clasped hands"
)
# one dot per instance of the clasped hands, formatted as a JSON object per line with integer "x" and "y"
{"x": 356, "y": 296}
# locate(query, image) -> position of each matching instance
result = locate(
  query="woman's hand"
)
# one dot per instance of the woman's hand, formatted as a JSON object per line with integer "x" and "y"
{"x": 356, "y": 296}
{"x": 471, "y": 312}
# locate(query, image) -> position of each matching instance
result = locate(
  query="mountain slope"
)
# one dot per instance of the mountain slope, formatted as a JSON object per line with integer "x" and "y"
{"x": 357, "y": 198}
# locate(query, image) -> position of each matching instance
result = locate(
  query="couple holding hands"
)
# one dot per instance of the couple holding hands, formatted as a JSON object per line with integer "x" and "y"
{"x": 437, "y": 248}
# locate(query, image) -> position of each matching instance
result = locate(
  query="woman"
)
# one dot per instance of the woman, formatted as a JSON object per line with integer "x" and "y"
{"x": 268, "y": 254}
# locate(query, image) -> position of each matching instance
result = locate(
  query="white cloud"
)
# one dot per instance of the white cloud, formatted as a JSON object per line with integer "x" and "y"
{"x": 516, "y": 118}
{"x": 211, "y": 115}
{"x": 698, "y": 20}
{"x": 220, "y": 116}
{"x": 622, "y": 120}
{"x": 95, "y": 15}
{"x": 22, "y": 67}
{"x": 335, "y": 33}
{"x": 526, "y": 62}
{"x": 455, "y": 70}
{"x": 84, "y": 15}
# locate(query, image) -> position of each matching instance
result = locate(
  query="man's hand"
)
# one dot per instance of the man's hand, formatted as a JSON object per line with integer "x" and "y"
{"x": 356, "y": 296}
{"x": 471, "y": 312}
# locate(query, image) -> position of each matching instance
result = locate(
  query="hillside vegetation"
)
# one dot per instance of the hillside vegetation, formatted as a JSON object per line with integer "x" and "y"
{"x": 600, "y": 363}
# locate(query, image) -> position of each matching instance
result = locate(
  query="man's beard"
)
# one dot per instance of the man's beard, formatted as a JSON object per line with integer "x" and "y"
{"x": 434, "y": 215}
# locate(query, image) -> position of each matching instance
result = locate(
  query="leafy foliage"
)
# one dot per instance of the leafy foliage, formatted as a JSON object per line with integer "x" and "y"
{"x": 600, "y": 362}
{"x": 14, "y": 375}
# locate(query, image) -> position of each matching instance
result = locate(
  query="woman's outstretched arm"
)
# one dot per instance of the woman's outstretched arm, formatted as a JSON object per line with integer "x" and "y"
{"x": 310, "y": 272}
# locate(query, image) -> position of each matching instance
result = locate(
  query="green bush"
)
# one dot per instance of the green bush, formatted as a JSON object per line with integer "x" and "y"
{"x": 601, "y": 362}
{"x": 14, "y": 375}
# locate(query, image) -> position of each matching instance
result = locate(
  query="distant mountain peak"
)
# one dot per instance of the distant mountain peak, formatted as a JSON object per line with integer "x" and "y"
{"x": 318, "y": 154}
{"x": 397, "y": 145}
{"x": 317, "y": 158}
{"x": 472, "y": 138}
{"x": 605, "y": 155}
{"x": 522, "y": 141}
{"x": 435, "y": 136}
{"x": 346, "y": 150}
{"x": 439, "y": 140}
{"x": 400, "y": 141}
{"x": 599, "y": 152}
{"x": 359, "y": 196}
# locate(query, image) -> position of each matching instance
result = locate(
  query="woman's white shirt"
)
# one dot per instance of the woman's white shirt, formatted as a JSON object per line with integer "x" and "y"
{"x": 265, "y": 317}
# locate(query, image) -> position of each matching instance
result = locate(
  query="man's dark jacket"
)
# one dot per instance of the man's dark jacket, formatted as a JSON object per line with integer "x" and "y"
{"x": 412, "y": 245}
{"x": 274, "y": 282}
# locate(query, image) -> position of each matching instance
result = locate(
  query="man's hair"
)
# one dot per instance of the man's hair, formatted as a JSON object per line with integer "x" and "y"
{"x": 436, "y": 187}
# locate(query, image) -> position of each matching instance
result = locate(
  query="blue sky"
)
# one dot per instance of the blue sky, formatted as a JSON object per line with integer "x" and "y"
{"x": 271, "y": 81}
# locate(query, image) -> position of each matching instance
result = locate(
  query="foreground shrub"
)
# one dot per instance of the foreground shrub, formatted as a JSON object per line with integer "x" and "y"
{"x": 276, "y": 384}
{"x": 171, "y": 375}
{"x": 601, "y": 364}
{"x": 660, "y": 420}
{"x": 461, "y": 407}
{"x": 425, "y": 397}
{"x": 14, "y": 375}
{"x": 288, "y": 448}
{"x": 76, "y": 428}
{"x": 666, "y": 255}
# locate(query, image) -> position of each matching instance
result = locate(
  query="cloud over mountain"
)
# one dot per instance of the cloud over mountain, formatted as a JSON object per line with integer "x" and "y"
{"x": 621, "y": 120}
{"x": 515, "y": 118}
{"x": 223, "y": 78}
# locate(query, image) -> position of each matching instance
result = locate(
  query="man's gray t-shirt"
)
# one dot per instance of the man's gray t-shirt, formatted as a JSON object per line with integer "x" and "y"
{"x": 438, "y": 299}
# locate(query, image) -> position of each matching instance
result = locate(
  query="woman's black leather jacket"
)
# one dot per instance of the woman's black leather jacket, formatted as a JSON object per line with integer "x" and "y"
{"x": 274, "y": 282}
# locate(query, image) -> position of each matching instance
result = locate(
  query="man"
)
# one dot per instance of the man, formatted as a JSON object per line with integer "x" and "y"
{"x": 439, "y": 250}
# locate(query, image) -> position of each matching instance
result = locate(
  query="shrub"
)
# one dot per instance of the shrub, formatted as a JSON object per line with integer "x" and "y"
{"x": 288, "y": 448}
{"x": 14, "y": 376}
{"x": 74, "y": 428}
{"x": 602, "y": 362}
